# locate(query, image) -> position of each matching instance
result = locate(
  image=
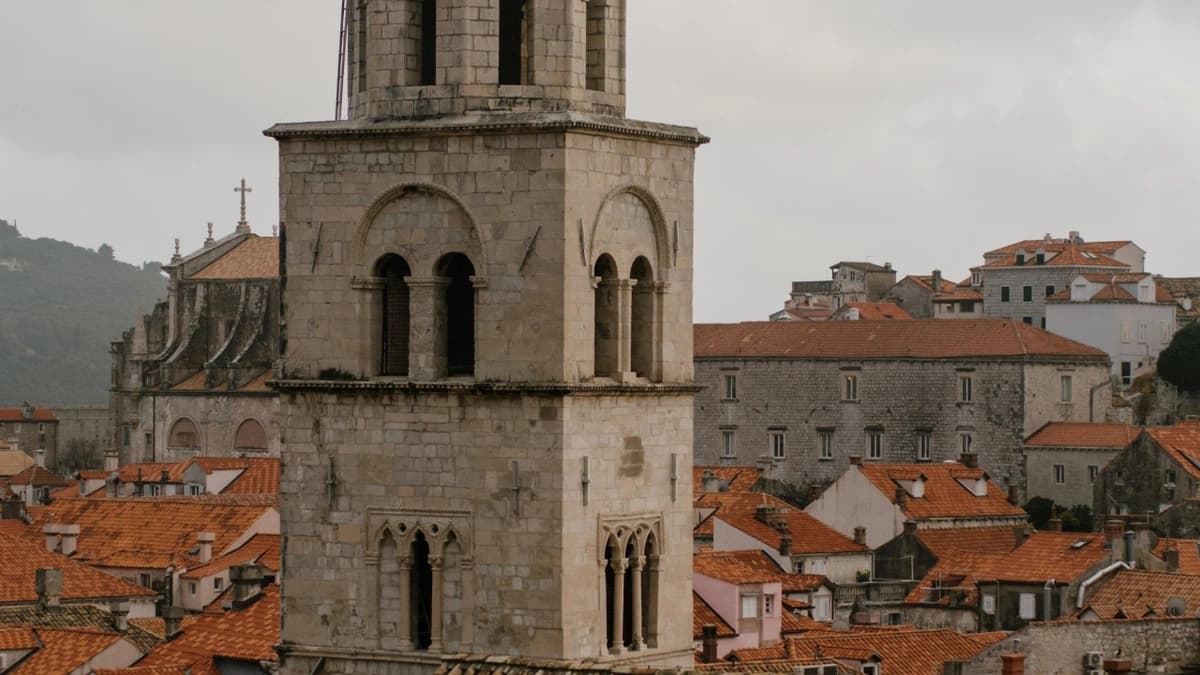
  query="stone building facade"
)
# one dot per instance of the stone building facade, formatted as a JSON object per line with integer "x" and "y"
{"x": 810, "y": 396}
{"x": 1063, "y": 460}
{"x": 1160, "y": 469}
{"x": 31, "y": 429}
{"x": 190, "y": 377}
{"x": 486, "y": 377}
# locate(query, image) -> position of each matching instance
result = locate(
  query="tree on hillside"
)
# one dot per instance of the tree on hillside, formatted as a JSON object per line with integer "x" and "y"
{"x": 105, "y": 251}
{"x": 1179, "y": 363}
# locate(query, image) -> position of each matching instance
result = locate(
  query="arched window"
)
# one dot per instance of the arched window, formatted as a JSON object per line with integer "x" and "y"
{"x": 250, "y": 436}
{"x": 514, "y": 16}
{"x": 607, "y": 324}
{"x": 184, "y": 435}
{"x": 597, "y": 44}
{"x": 421, "y": 593}
{"x": 642, "y": 328}
{"x": 395, "y": 316}
{"x": 459, "y": 314}
{"x": 631, "y": 592}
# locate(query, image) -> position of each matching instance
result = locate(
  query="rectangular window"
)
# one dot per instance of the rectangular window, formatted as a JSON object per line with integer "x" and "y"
{"x": 1126, "y": 332}
{"x": 1004, "y": 294}
{"x": 777, "y": 444}
{"x": 728, "y": 447}
{"x": 1064, "y": 388}
{"x": 1027, "y": 293}
{"x": 194, "y": 489}
{"x": 976, "y": 279}
{"x": 964, "y": 388}
{"x": 1060, "y": 474}
{"x": 1167, "y": 332}
{"x": 798, "y": 565}
{"x": 967, "y": 307}
{"x": 749, "y": 606}
{"x": 1093, "y": 473}
{"x": 192, "y": 587}
{"x": 768, "y": 605}
{"x": 849, "y": 387}
{"x": 1143, "y": 332}
{"x": 874, "y": 444}
{"x": 144, "y": 580}
{"x": 429, "y": 42}
{"x": 825, "y": 444}
{"x": 924, "y": 446}
{"x": 1126, "y": 373}
{"x": 1027, "y": 606}
{"x": 731, "y": 387}
{"x": 1043, "y": 323}
{"x": 1170, "y": 476}
{"x": 964, "y": 442}
{"x": 218, "y": 583}
{"x": 1049, "y": 291}
{"x": 512, "y": 41}
{"x": 989, "y": 604}
{"x": 1027, "y": 319}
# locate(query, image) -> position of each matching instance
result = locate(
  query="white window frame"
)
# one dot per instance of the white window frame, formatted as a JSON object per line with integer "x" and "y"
{"x": 825, "y": 445}
{"x": 218, "y": 583}
{"x": 874, "y": 444}
{"x": 989, "y": 603}
{"x": 731, "y": 392}
{"x": 1143, "y": 332}
{"x": 749, "y": 602}
{"x": 924, "y": 446}
{"x": 778, "y": 444}
{"x": 192, "y": 587}
{"x": 1126, "y": 332}
{"x": 1093, "y": 473}
{"x": 850, "y": 387}
{"x": 1065, "y": 383}
{"x": 1027, "y": 606}
{"x": 728, "y": 443}
{"x": 965, "y": 442}
{"x": 1060, "y": 474}
{"x": 966, "y": 383}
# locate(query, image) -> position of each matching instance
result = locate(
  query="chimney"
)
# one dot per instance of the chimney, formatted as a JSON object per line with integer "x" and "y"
{"x": 910, "y": 527}
{"x": 111, "y": 486}
{"x": 112, "y": 460}
{"x": 901, "y": 497}
{"x": 766, "y": 463}
{"x": 12, "y": 508}
{"x": 247, "y": 583}
{"x": 1112, "y": 533}
{"x": 937, "y": 281}
{"x": 1047, "y": 605}
{"x": 887, "y": 266}
{"x": 1146, "y": 538}
{"x": 709, "y": 482}
{"x": 52, "y": 532}
{"x": 1173, "y": 560}
{"x": 39, "y": 457}
{"x": 1130, "y": 548}
{"x": 708, "y": 639}
{"x": 1012, "y": 664}
{"x": 1013, "y": 496}
{"x": 1118, "y": 666}
{"x": 785, "y": 544}
{"x": 1020, "y": 534}
{"x": 205, "y": 541}
{"x": 860, "y": 535}
{"x": 120, "y": 615}
{"x": 969, "y": 460}
{"x": 1054, "y": 524}
{"x": 1074, "y": 238}
{"x": 48, "y": 581}
{"x": 855, "y": 460}
{"x": 172, "y": 622}
{"x": 27, "y": 411}
{"x": 70, "y": 538}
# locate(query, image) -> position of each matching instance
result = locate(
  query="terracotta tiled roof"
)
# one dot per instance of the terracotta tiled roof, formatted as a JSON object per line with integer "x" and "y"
{"x": 261, "y": 548}
{"x": 815, "y": 312}
{"x": 879, "y": 311}
{"x": 1182, "y": 443}
{"x": 809, "y": 535}
{"x": 906, "y": 652}
{"x": 943, "y": 542}
{"x": 736, "y": 478}
{"x": 702, "y": 614}
{"x": 254, "y": 258}
{"x": 945, "y": 496}
{"x": 864, "y": 266}
{"x": 753, "y": 567}
{"x": 960, "y": 294}
{"x": 1132, "y": 594}
{"x": 71, "y": 489}
{"x": 38, "y": 477}
{"x": 248, "y": 634}
{"x": 17, "y": 414}
{"x": 952, "y": 580}
{"x": 258, "y": 383}
{"x": 916, "y": 339}
{"x": 155, "y": 625}
{"x": 159, "y": 670}
{"x": 13, "y": 639}
{"x": 12, "y": 527}
{"x": 150, "y": 532}
{"x": 794, "y": 624}
{"x": 13, "y": 462}
{"x": 21, "y": 558}
{"x": 1062, "y": 556}
{"x": 260, "y": 477}
{"x": 1083, "y": 435}
{"x": 64, "y": 649}
{"x": 1189, "y": 553}
{"x": 197, "y": 381}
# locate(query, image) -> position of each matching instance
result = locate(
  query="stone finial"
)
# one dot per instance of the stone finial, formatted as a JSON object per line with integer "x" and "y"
{"x": 243, "y": 225}
{"x": 209, "y": 240}
{"x": 177, "y": 257}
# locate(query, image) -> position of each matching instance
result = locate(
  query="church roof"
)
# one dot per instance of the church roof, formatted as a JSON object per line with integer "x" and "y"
{"x": 254, "y": 258}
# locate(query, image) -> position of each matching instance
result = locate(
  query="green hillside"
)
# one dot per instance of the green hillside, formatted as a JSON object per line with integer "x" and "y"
{"x": 60, "y": 307}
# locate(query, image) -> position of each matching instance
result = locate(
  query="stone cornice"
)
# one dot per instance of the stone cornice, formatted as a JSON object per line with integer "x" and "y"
{"x": 533, "y": 388}
{"x": 473, "y": 123}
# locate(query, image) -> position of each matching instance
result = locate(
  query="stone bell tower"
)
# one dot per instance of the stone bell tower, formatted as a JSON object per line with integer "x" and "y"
{"x": 486, "y": 371}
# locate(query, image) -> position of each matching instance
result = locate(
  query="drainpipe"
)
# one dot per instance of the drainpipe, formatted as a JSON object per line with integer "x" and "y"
{"x": 1046, "y": 591}
{"x": 1094, "y": 578}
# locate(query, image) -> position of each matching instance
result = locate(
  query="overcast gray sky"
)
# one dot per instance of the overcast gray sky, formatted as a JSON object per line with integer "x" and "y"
{"x": 919, "y": 132}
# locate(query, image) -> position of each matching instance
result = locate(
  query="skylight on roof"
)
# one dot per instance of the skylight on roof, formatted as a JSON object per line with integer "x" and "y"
{"x": 1080, "y": 543}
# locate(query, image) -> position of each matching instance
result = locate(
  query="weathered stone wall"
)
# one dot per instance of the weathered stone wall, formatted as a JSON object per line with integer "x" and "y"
{"x": 89, "y": 423}
{"x": 217, "y": 417}
{"x": 1058, "y": 647}
{"x": 913, "y": 298}
{"x": 1090, "y": 398}
{"x": 1038, "y": 277}
{"x": 1078, "y": 487}
{"x": 31, "y": 436}
{"x": 1136, "y": 481}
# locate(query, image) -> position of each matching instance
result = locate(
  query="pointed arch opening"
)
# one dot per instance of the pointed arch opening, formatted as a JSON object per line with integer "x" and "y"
{"x": 630, "y": 596}
{"x": 457, "y": 313}
{"x": 607, "y": 321}
{"x": 649, "y": 581}
{"x": 611, "y": 560}
{"x": 250, "y": 436}
{"x": 642, "y": 319}
{"x": 394, "y": 271}
{"x": 421, "y": 593}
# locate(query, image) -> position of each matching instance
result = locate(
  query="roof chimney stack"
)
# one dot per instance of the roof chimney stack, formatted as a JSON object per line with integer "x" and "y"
{"x": 1054, "y": 524}
{"x": 969, "y": 460}
{"x": 172, "y": 622}
{"x": 1173, "y": 560}
{"x": 49, "y": 581}
{"x": 708, "y": 639}
{"x": 937, "y": 281}
{"x": 247, "y": 581}
{"x": 910, "y": 527}
{"x": 120, "y": 615}
{"x": 112, "y": 460}
{"x": 1074, "y": 238}
{"x": 901, "y": 497}
{"x": 785, "y": 544}
{"x": 39, "y": 457}
{"x": 205, "y": 541}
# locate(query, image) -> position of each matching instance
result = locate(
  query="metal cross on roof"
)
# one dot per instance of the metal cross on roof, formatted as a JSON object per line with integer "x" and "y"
{"x": 242, "y": 224}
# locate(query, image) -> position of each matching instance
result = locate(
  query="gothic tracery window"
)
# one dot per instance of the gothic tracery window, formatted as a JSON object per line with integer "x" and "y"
{"x": 631, "y": 560}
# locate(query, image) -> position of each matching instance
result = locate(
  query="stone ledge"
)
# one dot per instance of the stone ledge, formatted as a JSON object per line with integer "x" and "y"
{"x": 550, "y": 388}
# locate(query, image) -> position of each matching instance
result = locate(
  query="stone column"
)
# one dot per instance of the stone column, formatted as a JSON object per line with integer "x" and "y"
{"x": 374, "y": 615}
{"x": 427, "y": 328}
{"x": 618, "y": 606}
{"x": 370, "y": 299}
{"x": 658, "y": 372}
{"x": 624, "y": 289}
{"x": 654, "y": 563}
{"x": 636, "y": 598}
{"x": 405, "y": 604}
{"x": 435, "y": 604}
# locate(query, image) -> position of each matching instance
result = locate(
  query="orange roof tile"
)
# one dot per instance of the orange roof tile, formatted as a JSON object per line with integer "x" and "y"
{"x": 753, "y": 567}
{"x": 260, "y": 477}
{"x": 945, "y": 496}
{"x": 261, "y": 548}
{"x": 916, "y": 339}
{"x": 947, "y": 541}
{"x": 879, "y": 311}
{"x": 147, "y": 532}
{"x": 64, "y": 649}
{"x": 1132, "y": 594}
{"x": 248, "y": 634}
{"x": 254, "y": 258}
{"x": 1189, "y": 553}
{"x": 156, "y": 626}
{"x": 1182, "y": 443}
{"x": 13, "y": 639}
{"x": 809, "y": 535}
{"x": 38, "y": 476}
{"x": 1062, "y": 556}
{"x": 792, "y": 624}
{"x": 12, "y": 527}
{"x": 735, "y": 478}
{"x": 903, "y": 652}
{"x": 21, "y": 558}
{"x": 13, "y": 462}
{"x": 1031, "y": 246}
{"x": 1083, "y": 435}
{"x": 17, "y": 414}
{"x": 703, "y": 614}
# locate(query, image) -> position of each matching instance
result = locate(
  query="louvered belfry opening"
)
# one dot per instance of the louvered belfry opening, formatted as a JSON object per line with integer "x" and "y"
{"x": 396, "y": 315}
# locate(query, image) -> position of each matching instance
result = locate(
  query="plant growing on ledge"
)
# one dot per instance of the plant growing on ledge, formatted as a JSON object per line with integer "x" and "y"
{"x": 1179, "y": 363}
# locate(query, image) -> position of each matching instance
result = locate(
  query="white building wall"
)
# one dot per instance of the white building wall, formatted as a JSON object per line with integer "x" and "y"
{"x": 853, "y": 501}
{"x": 1116, "y": 328}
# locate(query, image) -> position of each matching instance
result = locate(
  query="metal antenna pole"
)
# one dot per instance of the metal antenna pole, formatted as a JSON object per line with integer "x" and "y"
{"x": 341, "y": 68}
